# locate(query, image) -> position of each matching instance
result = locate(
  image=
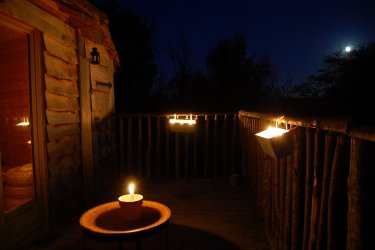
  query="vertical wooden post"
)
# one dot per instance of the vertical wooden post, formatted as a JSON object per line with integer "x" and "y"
{"x": 276, "y": 202}
{"x": 195, "y": 156}
{"x": 322, "y": 226}
{"x": 177, "y": 155}
{"x": 308, "y": 189}
{"x": 356, "y": 198}
{"x": 130, "y": 167}
{"x": 149, "y": 138}
{"x": 259, "y": 153}
{"x": 167, "y": 148}
{"x": 186, "y": 156}
{"x": 86, "y": 123}
{"x": 288, "y": 205}
{"x": 297, "y": 188}
{"x": 283, "y": 174}
{"x": 224, "y": 148}
{"x": 234, "y": 168}
{"x": 139, "y": 148}
{"x": 214, "y": 155}
{"x": 158, "y": 147}
{"x": 315, "y": 202}
{"x": 206, "y": 158}
{"x": 253, "y": 150}
{"x": 337, "y": 204}
{"x": 267, "y": 196}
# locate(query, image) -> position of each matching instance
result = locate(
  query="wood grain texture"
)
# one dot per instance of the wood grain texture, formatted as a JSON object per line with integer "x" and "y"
{"x": 42, "y": 20}
{"x": 58, "y": 49}
{"x": 54, "y": 117}
{"x": 61, "y": 103}
{"x": 61, "y": 87}
{"x": 56, "y": 132}
{"x": 59, "y": 69}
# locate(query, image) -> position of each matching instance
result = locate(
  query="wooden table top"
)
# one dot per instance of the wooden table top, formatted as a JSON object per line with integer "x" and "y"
{"x": 106, "y": 219}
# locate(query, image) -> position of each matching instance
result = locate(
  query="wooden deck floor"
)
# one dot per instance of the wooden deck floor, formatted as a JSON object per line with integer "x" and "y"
{"x": 205, "y": 215}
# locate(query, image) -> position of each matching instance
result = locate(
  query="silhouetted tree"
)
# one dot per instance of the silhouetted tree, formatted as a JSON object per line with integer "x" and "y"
{"x": 237, "y": 78}
{"x": 132, "y": 36}
{"x": 183, "y": 74}
{"x": 345, "y": 81}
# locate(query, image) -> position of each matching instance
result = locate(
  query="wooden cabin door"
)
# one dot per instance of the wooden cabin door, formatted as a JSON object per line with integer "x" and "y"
{"x": 97, "y": 108}
{"x": 23, "y": 214}
{"x": 102, "y": 109}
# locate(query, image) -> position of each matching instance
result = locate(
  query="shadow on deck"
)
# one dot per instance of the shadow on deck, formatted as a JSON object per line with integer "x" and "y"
{"x": 206, "y": 214}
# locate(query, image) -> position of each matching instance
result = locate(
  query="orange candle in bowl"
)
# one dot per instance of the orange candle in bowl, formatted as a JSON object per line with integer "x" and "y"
{"x": 131, "y": 205}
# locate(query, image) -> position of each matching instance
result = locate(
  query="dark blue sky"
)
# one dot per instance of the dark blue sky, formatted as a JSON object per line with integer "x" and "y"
{"x": 296, "y": 34}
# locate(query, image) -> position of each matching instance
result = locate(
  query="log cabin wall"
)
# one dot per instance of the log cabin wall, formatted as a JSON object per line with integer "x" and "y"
{"x": 69, "y": 30}
{"x": 319, "y": 196}
{"x": 63, "y": 125}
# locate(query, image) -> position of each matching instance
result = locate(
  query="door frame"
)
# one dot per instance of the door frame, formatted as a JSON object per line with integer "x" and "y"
{"x": 35, "y": 212}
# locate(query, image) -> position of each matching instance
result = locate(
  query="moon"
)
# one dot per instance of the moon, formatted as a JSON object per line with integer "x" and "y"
{"x": 348, "y": 49}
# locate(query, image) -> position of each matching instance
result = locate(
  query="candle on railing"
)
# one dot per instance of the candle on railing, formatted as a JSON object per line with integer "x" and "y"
{"x": 131, "y": 204}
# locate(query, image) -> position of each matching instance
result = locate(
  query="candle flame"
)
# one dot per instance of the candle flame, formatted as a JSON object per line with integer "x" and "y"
{"x": 131, "y": 188}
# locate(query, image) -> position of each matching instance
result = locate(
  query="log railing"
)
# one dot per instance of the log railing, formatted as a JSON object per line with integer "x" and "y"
{"x": 320, "y": 196}
{"x": 147, "y": 147}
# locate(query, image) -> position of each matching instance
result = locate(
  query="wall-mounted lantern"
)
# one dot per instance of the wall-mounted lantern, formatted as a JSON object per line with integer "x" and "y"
{"x": 186, "y": 125}
{"x": 94, "y": 56}
{"x": 275, "y": 142}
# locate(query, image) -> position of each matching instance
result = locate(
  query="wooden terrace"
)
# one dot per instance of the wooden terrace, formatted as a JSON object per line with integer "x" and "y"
{"x": 312, "y": 198}
{"x": 206, "y": 214}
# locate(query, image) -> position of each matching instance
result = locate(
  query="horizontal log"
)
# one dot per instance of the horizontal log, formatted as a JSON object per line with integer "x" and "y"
{"x": 61, "y": 87}
{"x": 60, "y": 69}
{"x": 62, "y": 103}
{"x": 56, "y": 132}
{"x": 54, "y": 117}
{"x": 55, "y": 164}
{"x": 64, "y": 146}
{"x": 58, "y": 49}
{"x": 41, "y": 20}
{"x": 51, "y": 7}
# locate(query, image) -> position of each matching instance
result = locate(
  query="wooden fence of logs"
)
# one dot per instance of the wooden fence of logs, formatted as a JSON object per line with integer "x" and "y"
{"x": 320, "y": 196}
{"x": 148, "y": 147}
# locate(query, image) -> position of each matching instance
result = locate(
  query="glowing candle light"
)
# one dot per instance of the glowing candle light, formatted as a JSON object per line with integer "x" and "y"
{"x": 131, "y": 204}
{"x": 131, "y": 188}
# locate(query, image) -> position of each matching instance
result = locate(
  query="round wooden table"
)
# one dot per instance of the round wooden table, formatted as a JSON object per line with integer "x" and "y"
{"x": 104, "y": 223}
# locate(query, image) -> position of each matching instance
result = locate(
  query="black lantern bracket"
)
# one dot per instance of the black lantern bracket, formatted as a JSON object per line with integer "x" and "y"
{"x": 94, "y": 56}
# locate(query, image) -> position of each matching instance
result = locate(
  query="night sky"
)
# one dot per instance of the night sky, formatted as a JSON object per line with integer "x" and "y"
{"x": 296, "y": 34}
